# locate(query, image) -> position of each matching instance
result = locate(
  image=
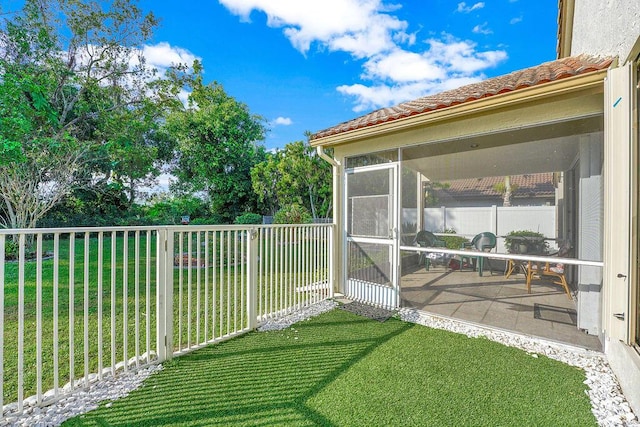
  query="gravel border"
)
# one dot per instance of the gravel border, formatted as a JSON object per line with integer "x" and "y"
{"x": 608, "y": 404}
{"x": 81, "y": 401}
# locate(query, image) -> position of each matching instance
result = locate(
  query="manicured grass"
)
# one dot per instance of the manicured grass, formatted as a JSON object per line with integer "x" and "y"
{"x": 344, "y": 370}
{"x": 228, "y": 309}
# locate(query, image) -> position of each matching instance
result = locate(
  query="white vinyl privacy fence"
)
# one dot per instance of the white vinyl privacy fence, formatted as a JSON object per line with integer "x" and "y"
{"x": 80, "y": 304}
{"x": 500, "y": 220}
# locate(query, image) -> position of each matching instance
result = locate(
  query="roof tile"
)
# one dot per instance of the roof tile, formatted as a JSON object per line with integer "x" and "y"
{"x": 540, "y": 74}
{"x": 525, "y": 186}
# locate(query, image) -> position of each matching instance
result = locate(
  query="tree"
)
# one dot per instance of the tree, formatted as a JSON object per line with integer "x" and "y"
{"x": 217, "y": 145}
{"x": 166, "y": 209}
{"x": 295, "y": 175}
{"x": 77, "y": 102}
{"x": 506, "y": 189}
{"x": 293, "y": 214}
{"x": 264, "y": 180}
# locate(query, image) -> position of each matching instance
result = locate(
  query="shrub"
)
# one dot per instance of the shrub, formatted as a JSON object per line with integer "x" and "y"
{"x": 532, "y": 246}
{"x": 213, "y": 219}
{"x": 292, "y": 214}
{"x": 10, "y": 249}
{"x": 453, "y": 242}
{"x": 248, "y": 218}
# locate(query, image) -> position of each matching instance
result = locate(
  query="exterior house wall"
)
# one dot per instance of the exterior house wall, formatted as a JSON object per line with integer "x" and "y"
{"x": 605, "y": 27}
{"x": 612, "y": 27}
{"x": 618, "y": 308}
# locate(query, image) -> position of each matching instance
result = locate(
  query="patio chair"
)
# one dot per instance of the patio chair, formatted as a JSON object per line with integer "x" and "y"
{"x": 425, "y": 239}
{"x": 483, "y": 242}
{"x": 555, "y": 271}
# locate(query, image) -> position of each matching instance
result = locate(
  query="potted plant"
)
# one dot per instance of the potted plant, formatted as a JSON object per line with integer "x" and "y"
{"x": 525, "y": 241}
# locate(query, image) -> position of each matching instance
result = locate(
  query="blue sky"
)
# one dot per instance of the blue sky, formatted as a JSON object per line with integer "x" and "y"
{"x": 311, "y": 64}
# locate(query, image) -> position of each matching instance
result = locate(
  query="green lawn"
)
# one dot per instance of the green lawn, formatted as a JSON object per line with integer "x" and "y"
{"x": 187, "y": 300}
{"x": 344, "y": 370}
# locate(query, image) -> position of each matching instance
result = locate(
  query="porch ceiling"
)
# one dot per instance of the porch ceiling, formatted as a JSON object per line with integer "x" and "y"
{"x": 503, "y": 152}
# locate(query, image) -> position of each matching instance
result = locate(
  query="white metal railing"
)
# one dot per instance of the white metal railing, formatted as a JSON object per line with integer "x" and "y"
{"x": 503, "y": 256}
{"x": 77, "y": 304}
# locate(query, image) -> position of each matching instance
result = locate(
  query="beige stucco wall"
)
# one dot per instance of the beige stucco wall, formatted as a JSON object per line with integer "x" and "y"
{"x": 605, "y": 27}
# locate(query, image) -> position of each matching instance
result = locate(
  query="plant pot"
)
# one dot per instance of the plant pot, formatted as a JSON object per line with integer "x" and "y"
{"x": 522, "y": 248}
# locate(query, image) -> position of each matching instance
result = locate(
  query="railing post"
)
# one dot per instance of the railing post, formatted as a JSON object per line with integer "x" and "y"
{"x": 164, "y": 294}
{"x": 168, "y": 329}
{"x": 252, "y": 278}
{"x": 331, "y": 257}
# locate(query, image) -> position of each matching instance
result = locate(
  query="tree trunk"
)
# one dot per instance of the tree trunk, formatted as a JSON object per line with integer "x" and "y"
{"x": 506, "y": 197}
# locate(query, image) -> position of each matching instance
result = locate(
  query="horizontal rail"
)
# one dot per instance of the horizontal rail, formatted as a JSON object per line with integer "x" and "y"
{"x": 80, "y": 230}
{"x": 496, "y": 255}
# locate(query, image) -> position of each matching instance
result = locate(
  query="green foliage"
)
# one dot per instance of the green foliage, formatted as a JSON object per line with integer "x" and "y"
{"x": 78, "y": 106}
{"x": 264, "y": 181}
{"x": 209, "y": 220}
{"x": 10, "y": 249}
{"x": 453, "y": 242}
{"x": 169, "y": 210}
{"x": 294, "y": 175}
{"x": 217, "y": 147}
{"x": 292, "y": 214}
{"x": 248, "y": 218}
{"x": 537, "y": 246}
{"x": 431, "y": 192}
{"x": 501, "y": 188}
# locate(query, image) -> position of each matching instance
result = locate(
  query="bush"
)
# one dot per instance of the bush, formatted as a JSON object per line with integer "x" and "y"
{"x": 293, "y": 214}
{"x": 10, "y": 249}
{"x": 213, "y": 219}
{"x": 533, "y": 246}
{"x": 453, "y": 242}
{"x": 248, "y": 218}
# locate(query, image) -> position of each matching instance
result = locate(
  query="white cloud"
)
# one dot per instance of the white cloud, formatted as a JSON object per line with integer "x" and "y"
{"x": 447, "y": 63}
{"x": 183, "y": 96}
{"x": 403, "y": 66}
{"x": 359, "y": 27}
{"x": 515, "y": 20}
{"x": 461, "y": 57}
{"x": 282, "y": 121}
{"x": 370, "y": 97}
{"x": 395, "y": 67}
{"x": 163, "y": 55}
{"x": 482, "y": 29}
{"x": 462, "y": 7}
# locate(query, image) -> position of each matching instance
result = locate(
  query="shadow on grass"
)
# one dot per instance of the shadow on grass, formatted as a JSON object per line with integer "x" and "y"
{"x": 257, "y": 379}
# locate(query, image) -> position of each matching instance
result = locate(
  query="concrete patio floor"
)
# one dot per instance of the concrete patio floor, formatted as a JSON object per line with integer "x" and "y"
{"x": 494, "y": 300}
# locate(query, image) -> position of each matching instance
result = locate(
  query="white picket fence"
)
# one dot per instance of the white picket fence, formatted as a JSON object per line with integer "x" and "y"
{"x": 79, "y": 304}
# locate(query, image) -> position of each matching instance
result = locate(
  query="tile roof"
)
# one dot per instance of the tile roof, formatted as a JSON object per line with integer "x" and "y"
{"x": 543, "y": 73}
{"x": 529, "y": 185}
